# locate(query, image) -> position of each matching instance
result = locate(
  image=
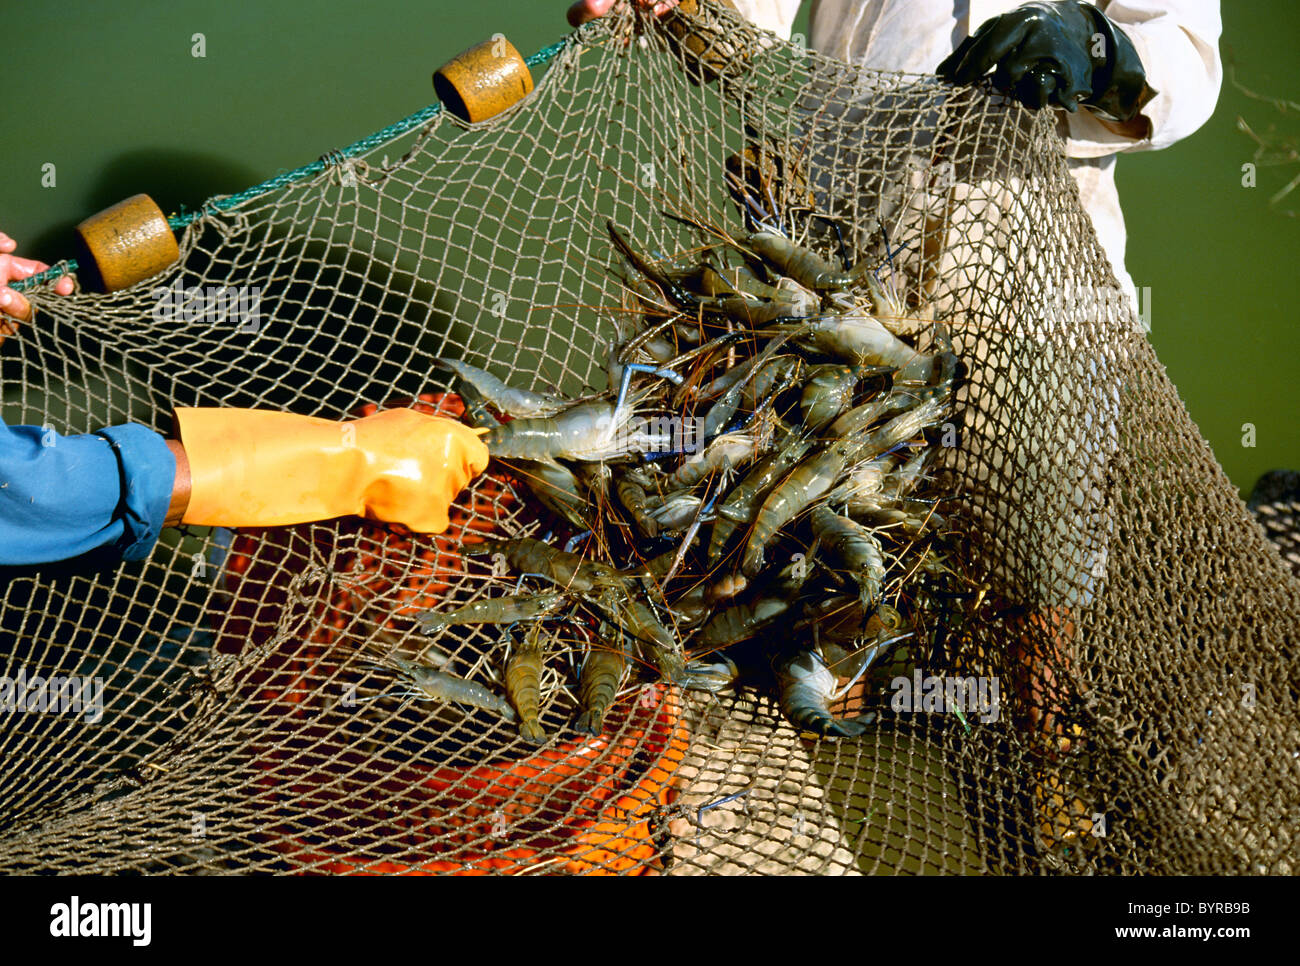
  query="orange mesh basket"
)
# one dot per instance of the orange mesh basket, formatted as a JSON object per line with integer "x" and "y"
{"x": 589, "y": 806}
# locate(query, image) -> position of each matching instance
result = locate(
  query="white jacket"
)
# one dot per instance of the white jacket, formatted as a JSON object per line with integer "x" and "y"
{"x": 1177, "y": 41}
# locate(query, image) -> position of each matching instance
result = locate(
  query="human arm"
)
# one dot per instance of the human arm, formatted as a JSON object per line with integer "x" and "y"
{"x": 249, "y": 467}
{"x": 1178, "y": 44}
{"x": 1147, "y": 71}
{"x": 180, "y": 495}
{"x": 64, "y": 496}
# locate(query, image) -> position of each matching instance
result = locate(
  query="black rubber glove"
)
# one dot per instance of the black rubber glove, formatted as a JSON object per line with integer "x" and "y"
{"x": 1064, "y": 53}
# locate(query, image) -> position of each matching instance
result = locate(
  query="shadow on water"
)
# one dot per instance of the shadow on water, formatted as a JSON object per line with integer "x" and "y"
{"x": 177, "y": 180}
{"x": 332, "y": 329}
{"x": 336, "y": 328}
{"x": 359, "y": 325}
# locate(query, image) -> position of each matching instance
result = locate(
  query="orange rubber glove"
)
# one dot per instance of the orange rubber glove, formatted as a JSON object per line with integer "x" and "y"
{"x": 257, "y": 468}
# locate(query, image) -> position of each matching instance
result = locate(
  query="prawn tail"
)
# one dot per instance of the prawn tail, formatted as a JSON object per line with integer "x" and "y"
{"x": 530, "y": 729}
{"x": 851, "y": 727}
{"x": 755, "y": 556}
{"x": 810, "y": 718}
{"x": 819, "y": 721}
{"x": 591, "y": 722}
{"x": 430, "y": 622}
{"x": 525, "y": 694}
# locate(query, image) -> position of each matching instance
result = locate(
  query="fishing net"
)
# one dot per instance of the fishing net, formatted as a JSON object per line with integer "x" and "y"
{"x": 1140, "y": 627}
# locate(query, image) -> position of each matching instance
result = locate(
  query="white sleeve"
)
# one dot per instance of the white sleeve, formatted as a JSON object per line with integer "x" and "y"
{"x": 1178, "y": 43}
{"x": 774, "y": 15}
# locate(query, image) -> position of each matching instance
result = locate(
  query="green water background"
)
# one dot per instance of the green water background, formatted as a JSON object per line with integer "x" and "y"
{"x": 112, "y": 96}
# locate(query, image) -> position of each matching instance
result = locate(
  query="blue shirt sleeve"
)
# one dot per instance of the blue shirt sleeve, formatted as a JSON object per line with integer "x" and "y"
{"x": 64, "y": 496}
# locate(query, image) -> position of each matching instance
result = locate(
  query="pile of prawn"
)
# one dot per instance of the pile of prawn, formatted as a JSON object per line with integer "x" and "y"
{"x": 746, "y": 502}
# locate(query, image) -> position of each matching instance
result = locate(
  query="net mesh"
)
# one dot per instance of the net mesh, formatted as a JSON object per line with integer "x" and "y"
{"x": 1140, "y": 625}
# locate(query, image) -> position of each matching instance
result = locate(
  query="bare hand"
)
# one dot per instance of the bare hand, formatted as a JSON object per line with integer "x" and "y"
{"x": 13, "y": 268}
{"x": 585, "y": 10}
